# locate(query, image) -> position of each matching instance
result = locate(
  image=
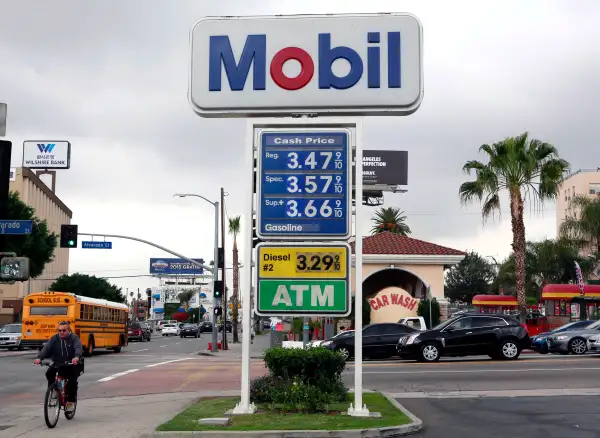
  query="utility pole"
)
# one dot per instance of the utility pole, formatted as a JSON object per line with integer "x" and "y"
{"x": 225, "y": 305}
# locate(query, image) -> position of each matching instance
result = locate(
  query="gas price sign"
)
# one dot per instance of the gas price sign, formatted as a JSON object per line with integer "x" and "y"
{"x": 303, "y": 185}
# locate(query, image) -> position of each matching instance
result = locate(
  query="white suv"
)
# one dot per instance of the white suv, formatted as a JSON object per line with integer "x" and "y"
{"x": 170, "y": 329}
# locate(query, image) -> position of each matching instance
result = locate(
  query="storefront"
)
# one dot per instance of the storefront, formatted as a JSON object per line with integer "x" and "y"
{"x": 564, "y": 303}
{"x": 502, "y": 304}
{"x": 399, "y": 271}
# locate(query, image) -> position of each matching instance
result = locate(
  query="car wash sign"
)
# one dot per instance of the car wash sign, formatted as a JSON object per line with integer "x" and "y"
{"x": 307, "y": 64}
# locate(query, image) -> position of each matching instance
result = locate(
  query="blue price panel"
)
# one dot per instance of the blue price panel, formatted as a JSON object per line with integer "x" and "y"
{"x": 303, "y": 187}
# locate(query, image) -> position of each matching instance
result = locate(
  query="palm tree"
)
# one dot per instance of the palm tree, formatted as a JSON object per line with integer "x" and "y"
{"x": 584, "y": 226}
{"x": 528, "y": 169}
{"x": 390, "y": 219}
{"x": 234, "y": 229}
{"x": 185, "y": 297}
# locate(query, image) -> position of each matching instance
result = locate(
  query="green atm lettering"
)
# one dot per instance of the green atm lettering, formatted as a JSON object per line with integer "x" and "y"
{"x": 318, "y": 297}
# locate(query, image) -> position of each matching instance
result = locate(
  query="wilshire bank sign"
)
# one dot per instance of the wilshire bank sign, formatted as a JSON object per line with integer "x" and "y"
{"x": 46, "y": 154}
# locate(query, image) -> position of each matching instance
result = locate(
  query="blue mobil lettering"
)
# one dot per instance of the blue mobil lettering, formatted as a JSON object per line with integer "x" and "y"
{"x": 254, "y": 54}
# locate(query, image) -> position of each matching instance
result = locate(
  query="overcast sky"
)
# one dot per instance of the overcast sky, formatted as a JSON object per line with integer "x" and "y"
{"x": 111, "y": 77}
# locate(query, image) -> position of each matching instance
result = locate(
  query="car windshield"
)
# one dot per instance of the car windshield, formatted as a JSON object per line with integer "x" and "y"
{"x": 446, "y": 323}
{"x": 189, "y": 326}
{"x": 344, "y": 333}
{"x": 169, "y": 326}
{"x": 135, "y": 325}
{"x": 11, "y": 328}
{"x": 593, "y": 326}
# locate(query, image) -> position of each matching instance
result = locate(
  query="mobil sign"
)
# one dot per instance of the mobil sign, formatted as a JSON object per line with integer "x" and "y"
{"x": 306, "y": 64}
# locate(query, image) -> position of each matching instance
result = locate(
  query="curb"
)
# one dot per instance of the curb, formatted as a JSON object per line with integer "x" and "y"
{"x": 415, "y": 426}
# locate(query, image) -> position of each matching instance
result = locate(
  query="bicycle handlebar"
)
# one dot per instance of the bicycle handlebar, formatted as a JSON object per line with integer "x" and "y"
{"x": 48, "y": 363}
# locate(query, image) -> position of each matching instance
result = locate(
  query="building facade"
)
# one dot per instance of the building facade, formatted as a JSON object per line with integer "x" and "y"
{"x": 49, "y": 207}
{"x": 399, "y": 271}
{"x": 583, "y": 182}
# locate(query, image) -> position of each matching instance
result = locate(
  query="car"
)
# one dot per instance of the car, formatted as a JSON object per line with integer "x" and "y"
{"x": 170, "y": 329}
{"x": 379, "y": 340}
{"x": 206, "y": 326}
{"x": 572, "y": 341}
{"x": 318, "y": 343}
{"x": 229, "y": 326}
{"x": 189, "y": 330}
{"x": 10, "y": 336}
{"x": 138, "y": 331}
{"x": 539, "y": 342}
{"x": 499, "y": 336}
{"x": 593, "y": 344}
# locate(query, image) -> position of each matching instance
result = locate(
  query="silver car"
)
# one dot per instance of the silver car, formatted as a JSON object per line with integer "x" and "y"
{"x": 593, "y": 344}
{"x": 10, "y": 336}
{"x": 572, "y": 341}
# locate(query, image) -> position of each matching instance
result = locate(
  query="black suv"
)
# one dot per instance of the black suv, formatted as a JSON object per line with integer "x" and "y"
{"x": 499, "y": 336}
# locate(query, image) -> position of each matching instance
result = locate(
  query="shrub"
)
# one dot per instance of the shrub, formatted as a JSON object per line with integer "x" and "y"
{"x": 289, "y": 395}
{"x": 310, "y": 366}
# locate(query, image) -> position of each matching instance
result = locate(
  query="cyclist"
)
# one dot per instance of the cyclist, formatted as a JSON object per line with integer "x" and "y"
{"x": 61, "y": 348}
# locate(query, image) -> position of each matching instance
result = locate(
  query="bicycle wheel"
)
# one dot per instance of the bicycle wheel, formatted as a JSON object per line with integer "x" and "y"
{"x": 70, "y": 415}
{"x": 51, "y": 406}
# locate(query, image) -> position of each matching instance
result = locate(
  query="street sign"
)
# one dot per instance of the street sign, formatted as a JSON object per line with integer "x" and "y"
{"x": 303, "y": 185}
{"x": 96, "y": 245}
{"x": 346, "y": 64}
{"x": 15, "y": 227}
{"x": 303, "y": 279}
{"x": 14, "y": 269}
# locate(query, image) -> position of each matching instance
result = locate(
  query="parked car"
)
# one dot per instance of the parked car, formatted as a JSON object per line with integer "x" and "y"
{"x": 229, "y": 326}
{"x": 379, "y": 340}
{"x": 318, "y": 343}
{"x": 572, "y": 341}
{"x": 138, "y": 331}
{"x": 499, "y": 336}
{"x": 10, "y": 336}
{"x": 189, "y": 330}
{"x": 206, "y": 326}
{"x": 170, "y": 329}
{"x": 593, "y": 344}
{"x": 539, "y": 342}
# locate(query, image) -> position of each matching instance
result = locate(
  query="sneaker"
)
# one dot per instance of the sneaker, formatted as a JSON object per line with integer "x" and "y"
{"x": 70, "y": 407}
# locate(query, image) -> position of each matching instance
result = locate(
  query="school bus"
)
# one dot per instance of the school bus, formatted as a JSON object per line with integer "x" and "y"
{"x": 98, "y": 323}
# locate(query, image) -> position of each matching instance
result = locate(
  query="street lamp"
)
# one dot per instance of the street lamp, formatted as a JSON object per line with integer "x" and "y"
{"x": 216, "y": 260}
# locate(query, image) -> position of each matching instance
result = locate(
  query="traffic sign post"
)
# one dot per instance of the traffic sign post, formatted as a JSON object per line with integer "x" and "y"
{"x": 303, "y": 186}
{"x": 96, "y": 245}
{"x": 303, "y": 279}
{"x": 15, "y": 227}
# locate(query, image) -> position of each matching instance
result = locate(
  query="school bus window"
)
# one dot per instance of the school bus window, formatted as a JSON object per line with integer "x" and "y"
{"x": 81, "y": 312}
{"x": 86, "y": 311}
{"x": 50, "y": 311}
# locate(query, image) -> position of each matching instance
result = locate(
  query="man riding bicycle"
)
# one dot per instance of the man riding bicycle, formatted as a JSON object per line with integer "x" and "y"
{"x": 61, "y": 348}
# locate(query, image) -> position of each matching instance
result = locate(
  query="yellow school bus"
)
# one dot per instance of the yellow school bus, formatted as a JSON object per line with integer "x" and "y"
{"x": 98, "y": 323}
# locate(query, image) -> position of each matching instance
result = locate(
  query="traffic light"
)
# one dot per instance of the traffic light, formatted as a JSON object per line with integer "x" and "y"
{"x": 218, "y": 288}
{"x": 221, "y": 255}
{"x": 68, "y": 236}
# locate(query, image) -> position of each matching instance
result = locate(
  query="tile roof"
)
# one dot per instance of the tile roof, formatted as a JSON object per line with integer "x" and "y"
{"x": 391, "y": 243}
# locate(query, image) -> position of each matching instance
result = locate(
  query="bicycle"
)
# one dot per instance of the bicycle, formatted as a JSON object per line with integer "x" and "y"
{"x": 56, "y": 398}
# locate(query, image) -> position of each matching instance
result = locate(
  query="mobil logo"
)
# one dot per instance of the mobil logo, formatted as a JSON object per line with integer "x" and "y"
{"x": 316, "y": 60}
{"x": 348, "y": 64}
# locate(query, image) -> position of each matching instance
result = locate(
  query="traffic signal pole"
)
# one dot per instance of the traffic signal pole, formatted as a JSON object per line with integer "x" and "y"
{"x": 215, "y": 327}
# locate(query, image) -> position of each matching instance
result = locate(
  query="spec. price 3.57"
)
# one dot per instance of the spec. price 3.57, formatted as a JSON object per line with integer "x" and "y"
{"x": 312, "y": 208}
{"x": 313, "y": 183}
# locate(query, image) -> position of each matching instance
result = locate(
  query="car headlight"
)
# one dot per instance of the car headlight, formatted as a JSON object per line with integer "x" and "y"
{"x": 411, "y": 339}
{"x": 561, "y": 337}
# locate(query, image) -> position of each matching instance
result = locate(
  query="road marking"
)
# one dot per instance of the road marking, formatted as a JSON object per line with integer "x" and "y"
{"x": 177, "y": 343}
{"x": 162, "y": 346}
{"x": 500, "y": 393}
{"x": 114, "y": 376}
{"x": 168, "y": 361}
{"x": 472, "y": 371}
{"x": 137, "y": 351}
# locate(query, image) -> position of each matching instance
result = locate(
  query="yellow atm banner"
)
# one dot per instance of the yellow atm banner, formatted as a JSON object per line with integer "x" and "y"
{"x": 303, "y": 262}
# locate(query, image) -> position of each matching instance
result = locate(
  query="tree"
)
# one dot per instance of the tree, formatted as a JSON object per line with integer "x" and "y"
{"x": 584, "y": 227}
{"x": 185, "y": 297}
{"x": 473, "y": 275}
{"x": 390, "y": 219}
{"x": 234, "y": 229}
{"x": 423, "y": 311}
{"x": 88, "y": 286}
{"x": 39, "y": 246}
{"x": 366, "y": 311}
{"x": 528, "y": 169}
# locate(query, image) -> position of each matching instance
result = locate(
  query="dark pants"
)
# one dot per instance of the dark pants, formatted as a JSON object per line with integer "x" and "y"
{"x": 71, "y": 373}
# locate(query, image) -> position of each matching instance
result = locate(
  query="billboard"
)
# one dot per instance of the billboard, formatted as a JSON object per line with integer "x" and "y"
{"x": 46, "y": 154}
{"x": 174, "y": 266}
{"x": 388, "y": 168}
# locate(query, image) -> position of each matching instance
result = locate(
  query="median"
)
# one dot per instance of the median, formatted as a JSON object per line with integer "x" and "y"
{"x": 302, "y": 395}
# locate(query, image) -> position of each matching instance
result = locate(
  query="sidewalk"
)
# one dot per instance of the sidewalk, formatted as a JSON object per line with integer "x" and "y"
{"x": 116, "y": 417}
{"x": 257, "y": 349}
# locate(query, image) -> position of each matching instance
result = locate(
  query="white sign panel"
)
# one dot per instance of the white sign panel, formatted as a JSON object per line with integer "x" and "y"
{"x": 367, "y": 64}
{"x": 46, "y": 154}
{"x": 13, "y": 174}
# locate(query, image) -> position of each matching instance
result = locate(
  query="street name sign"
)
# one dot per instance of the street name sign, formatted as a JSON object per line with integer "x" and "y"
{"x": 303, "y": 185}
{"x": 96, "y": 245}
{"x": 330, "y": 65}
{"x": 303, "y": 279}
{"x": 16, "y": 227}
